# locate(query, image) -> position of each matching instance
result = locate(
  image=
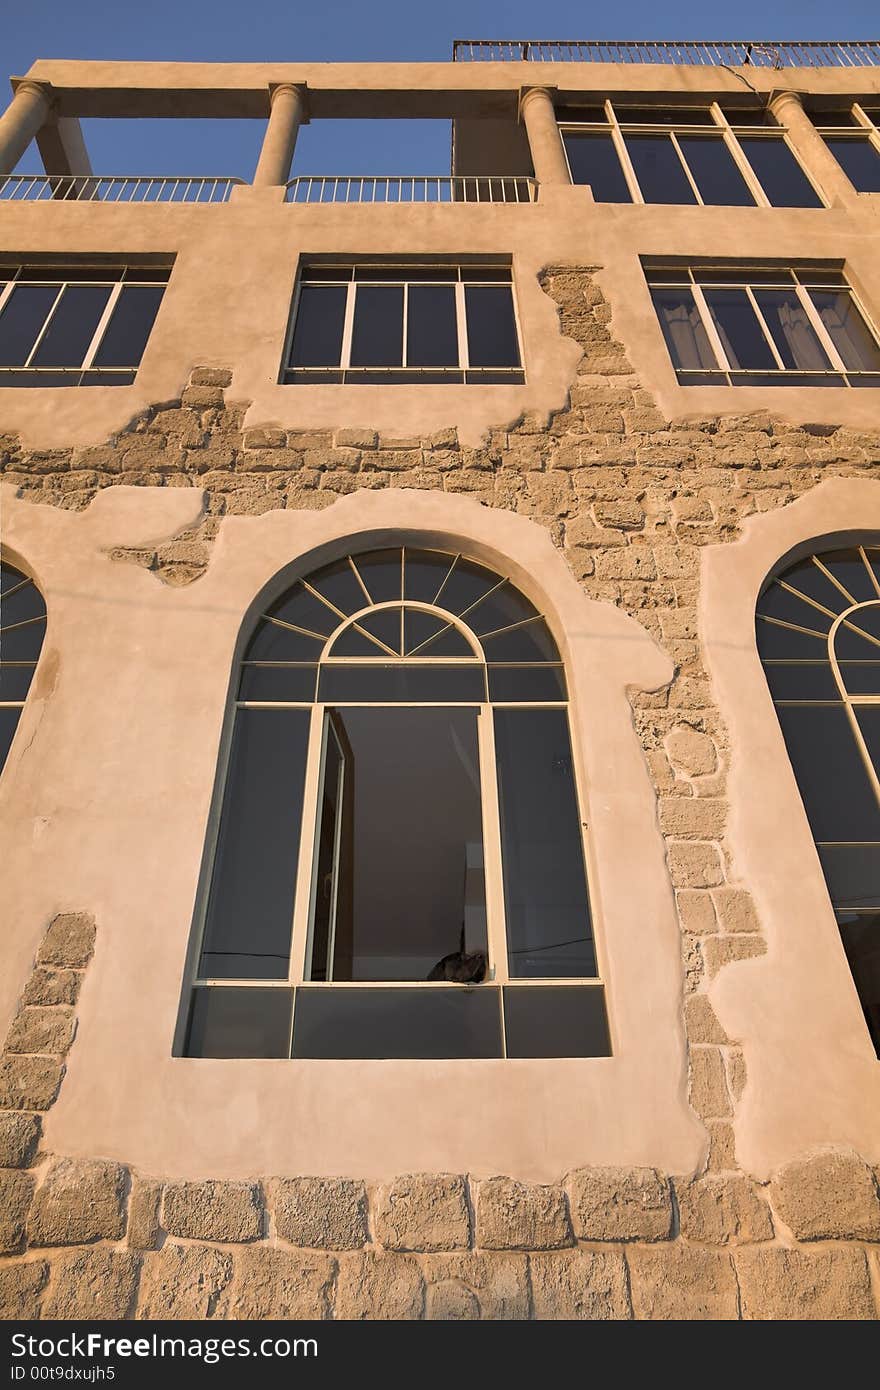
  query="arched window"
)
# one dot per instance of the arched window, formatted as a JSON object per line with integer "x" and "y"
{"x": 818, "y": 632}
{"x": 399, "y": 866}
{"x": 22, "y": 627}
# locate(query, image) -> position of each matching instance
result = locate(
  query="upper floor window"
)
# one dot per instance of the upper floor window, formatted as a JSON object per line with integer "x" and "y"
{"x": 852, "y": 134}
{"x": 688, "y": 155}
{"x": 22, "y": 627}
{"x": 76, "y": 324}
{"x": 818, "y": 630}
{"x": 760, "y": 326}
{"x": 400, "y": 866}
{"x": 381, "y": 324}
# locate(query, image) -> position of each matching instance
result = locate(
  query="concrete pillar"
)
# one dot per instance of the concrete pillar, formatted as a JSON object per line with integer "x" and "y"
{"x": 811, "y": 149}
{"x": 545, "y": 142}
{"x": 287, "y": 114}
{"x": 21, "y": 120}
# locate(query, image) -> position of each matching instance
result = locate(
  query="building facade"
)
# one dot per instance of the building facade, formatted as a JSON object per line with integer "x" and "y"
{"x": 440, "y": 627}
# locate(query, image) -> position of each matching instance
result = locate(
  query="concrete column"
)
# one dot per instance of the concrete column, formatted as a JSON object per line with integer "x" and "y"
{"x": 21, "y": 120}
{"x": 62, "y": 147}
{"x": 811, "y": 149}
{"x": 545, "y": 142}
{"x": 287, "y": 114}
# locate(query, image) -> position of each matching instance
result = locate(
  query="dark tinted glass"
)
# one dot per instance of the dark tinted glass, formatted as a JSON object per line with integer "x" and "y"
{"x": 317, "y": 334}
{"x": 739, "y": 330}
{"x": 72, "y": 326}
{"x": 339, "y": 584}
{"x": 860, "y": 162}
{"x": 272, "y": 642}
{"x": 658, "y": 169}
{"x": 491, "y": 326}
{"x": 449, "y": 642}
{"x": 809, "y": 579}
{"x": 861, "y": 678}
{"x": 421, "y": 627}
{"x": 802, "y": 681}
{"x": 465, "y": 584}
{"x": 239, "y": 1023}
{"x": 852, "y": 873}
{"x": 784, "y": 644}
{"x": 529, "y": 643}
{"x": 454, "y": 684}
{"x": 849, "y": 568}
{"x": 850, "y": 334}
{"x": 503, "y": 606}
{"x": 130, "y": 326}
{"x": 330, "y": 851}
{"x": 8, "y": 724}
{"x": 23, "y": 643}
{"x": 15, "y": 681}
{"x": 545, "y": 889}
{"x": 861, "y": 942}
{"x": 792, "y": 332}
{"x": 445, "y": 1022}
{"x": 291, "y": 684}
{"x": 301, "y": 608}
{"x": 555, "y": 1021}
{"x": 593, "y": 160}
{"x": 250, "y": 911}
{"x": 833, "y": 781}
{"x": 22, "y": 320}
{"x": 664, "y": 115}
{"x": 714, "y": 171}
{"x": 781, "y": 177}
{"x": 20, "y": 602}
{"x": 431, "y": 333}
{"x": 526, "y": 684}
{"x": 856, "y": 638}
{"x": 376, "y": 634}
{"x": 377, "y": 335}
{"x": 683, "y": 329}
{"x": 425, "y": 571}
{"x": 382, "y": 574}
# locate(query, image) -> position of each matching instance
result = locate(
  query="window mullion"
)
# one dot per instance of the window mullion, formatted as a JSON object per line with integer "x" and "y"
{"x": 404, "y": 354}
{"x": 684, "y": 164}
{"x": 46, "y": 321}
{"x": 493, "y": 870}
{"x": 619, "y": 143}
{"x": 300, "y": 943}
{"x": 461, "y": 325}
{"x": 764, "y": 329}
{"x": 348, "y": 325}
{"x": 819, "y": 328}
{"x": 709, "y": 325}
{"x": 5, "y": 293}
{"x": 752, "y": 181}
{"x": 101, "y": 329}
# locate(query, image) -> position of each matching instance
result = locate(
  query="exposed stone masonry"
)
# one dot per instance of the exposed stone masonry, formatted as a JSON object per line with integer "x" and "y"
{"x": 630, "y": 499}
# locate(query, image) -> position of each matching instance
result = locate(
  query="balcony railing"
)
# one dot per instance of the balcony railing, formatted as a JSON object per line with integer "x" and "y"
{"x": 440, "y": 188}
{"x": 96, "y": 188}
{"x": 864, "y": 54}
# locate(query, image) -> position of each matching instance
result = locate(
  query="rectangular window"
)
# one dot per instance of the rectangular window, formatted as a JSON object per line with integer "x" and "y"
{"x": 429, "y": 324}
{"x": 852, "y": 134}
{"x": 698, "y": 155}
{"x": 755, "y": 326}
{"x": 76, "y": 325}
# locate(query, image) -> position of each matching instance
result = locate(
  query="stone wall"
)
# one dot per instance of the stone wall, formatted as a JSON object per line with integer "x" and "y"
{"x": 630, "y": 499}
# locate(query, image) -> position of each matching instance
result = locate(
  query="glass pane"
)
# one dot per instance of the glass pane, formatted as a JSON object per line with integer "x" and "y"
{"x": 491, "y": 326}
{"x": 860, "y": 162}
{"x": 848, "y": 330}
{"x": 387, "y": 684}
{"x": 8, "y": 724}
{"x": 852, "y": 873}
{"x": 466, "y": 583}
{"x": 738, "y": 328}
{"x": 338, "y": 583}
{"x": 658, "y": 169}
{"x": 792, "y": 332}
{"x": 130, "y": 326}
{"x": 837, "y": 795}
{"x": 682, "y": 326}
{"x": 317, "y": 333}
{"x": 781, "y": 177}
{"x": 849, "y": 568}
{"x": 869, "y": 722}
{"x": 15, "y": 681}
{"x": 250, "y": 911}
{"x": 857, "y": 637}
{"x": 419, "y": 627}
{"x": 410, "y": 897}
{"x": 302, "y": 609}
{"x": 713, "y": 168}
{"x": 808, "y": 578}
{"x": 17, "y": 607}
{"x": 424, "y": 572}
{"x": 239, "y": 1023}
{"x": 23, "y": 643}
{"x": 529, "y": 643}
{"x": 375, "y": 635}
{"x": 430, "y": 1023}
{"x": 861, "y": 942}
{"x": 499, "y": 609}
{"x": 545, "y": 889}
{"x": 382, "y": 574}
{"x": 22, "y": 320}
{"x": 10, "y": 578}
{"x": 330, "y": 851}
{"x": 431, "y": 332}
{"x": 802, "y": 681}
{"x": 449, "y": 642}
{"x": 782, "y": 643}
{"x": 377, "y": 336}
{"x": 593, "y": 160}
{"x": 664, "y": 115}
{"x": 271, "y": 642}
{"x": 861, "y": 677}
{"x": 526, "y": 684}
{"x": 355, "y": 642}
{"x": 72, "y": 326}
{"x": 555, "y": 1021}
{"x": 292, "y": 684}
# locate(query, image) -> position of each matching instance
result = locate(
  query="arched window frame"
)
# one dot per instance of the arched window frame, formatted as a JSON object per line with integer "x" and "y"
{"x": 22, "y": 632}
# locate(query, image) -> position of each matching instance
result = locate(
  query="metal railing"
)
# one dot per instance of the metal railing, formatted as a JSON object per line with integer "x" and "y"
{"x": 861, "y": 54}
{"x": 439, "y": 188}
{"x": 116, "y": 188}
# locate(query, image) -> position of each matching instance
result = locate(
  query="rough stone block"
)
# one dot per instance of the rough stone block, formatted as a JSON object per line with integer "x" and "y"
{"x": 358, "y": 439}
{"x": 41, "y": 1029}
{"x": 725, "y": 950}
{"x": 378, "y": 1287}
{"x": 736, "y": 910}
{"x": 424, "y": 1211}
{"x": 222, "y": 1211}
{"x": 700, "y": 818}
{"x": 69, "y": 941}
{"x": 777, "y": 1284}
{"x": 620, "y": 1204}
{"x": 579, "y": 1284}
{"x": 274, "y": 1283}
{"x": 680, "y": 1282}
{"x": 635, "y": 562}
{"x": 583, "y": 533}
{"x": 708, "y": 1083}
{"x": 521, "y": 1216}
{"x": 143, "y": 1214}
{"x": 29, "y": 1083}
{"x": 183, "y": 1282}
{"x": 19, "y": 1139}
{"x": 16, "y": 1191}
{"x": 21, "y": 1286}
{"x": 265, "y": 439}
{"x": 696, "y": 911}
{"x": 701, "y": 1023}
{"x": 202, "y": 397}
{"x": 88, "y": 1285}
{"x": 831, "y": 1195}
{"x": 723, "y": 1211}
{"x": 80, "y": 1200}
{"x": 52, "y": 987}
{"x": 322, "y": 1213}
{"x": 472, "y": 1285}
{"x": 211, "y": 376}
{"x": 722, "y": 1146}
{"x": 694, "y": 864}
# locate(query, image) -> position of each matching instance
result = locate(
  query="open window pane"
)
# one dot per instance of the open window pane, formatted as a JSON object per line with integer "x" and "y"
{"x": 860, "y": 161}
{"x": 739, "y": 330}
{"x": 317, "y": 334}
{"x": 714, "y": 171}
{"x": 593, "y": 160}
{"x": 847, "y": 329}
{"x": 377, "y": 336}
{"x": 545, "y": 888}
{"x": 781, "y": 177}
{"x": 72, "y": 326}
{"x": 431, "y": 332}
{"x": 658, "y": 169}
{"x": 250, "y": 910}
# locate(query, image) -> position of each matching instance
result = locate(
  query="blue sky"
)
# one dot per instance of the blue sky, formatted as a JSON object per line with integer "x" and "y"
{"x": 352, "y": 31}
